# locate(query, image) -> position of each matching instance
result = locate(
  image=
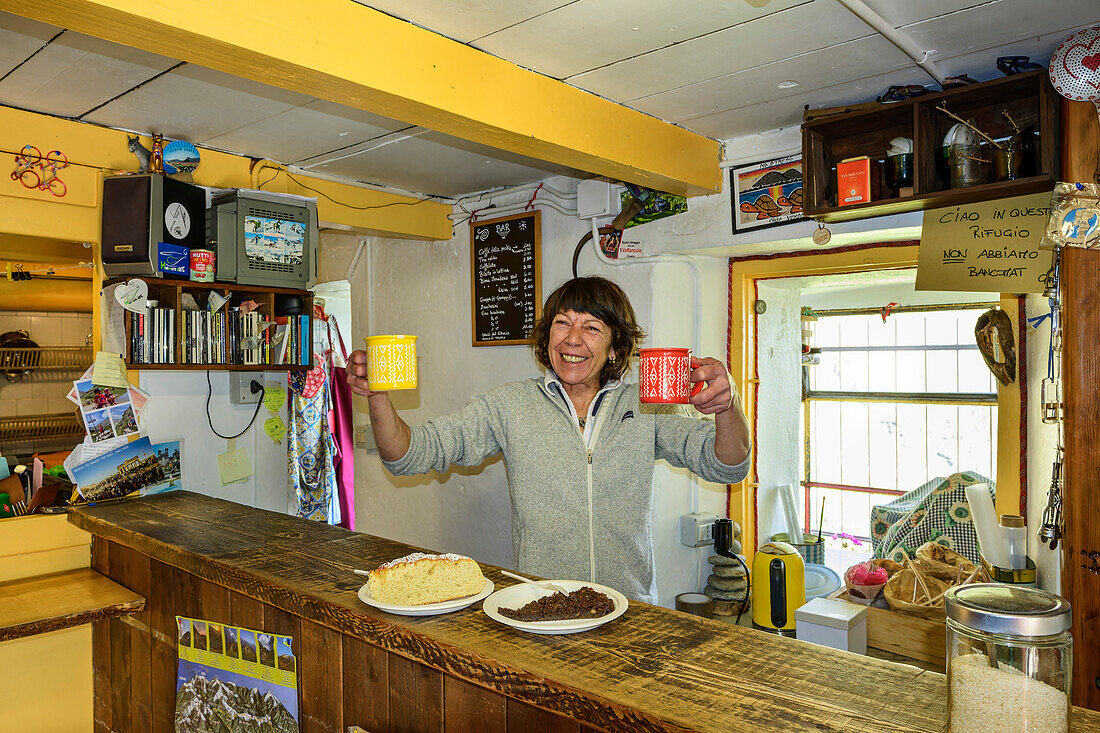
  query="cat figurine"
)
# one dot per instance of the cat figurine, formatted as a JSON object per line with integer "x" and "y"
{"x": 141, "y": 152}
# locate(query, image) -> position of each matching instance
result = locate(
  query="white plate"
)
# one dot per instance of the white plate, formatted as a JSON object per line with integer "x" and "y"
{"x": 520, "y": 594}
{"x": 428, "y": 609}
{"x": 820, "y": 580}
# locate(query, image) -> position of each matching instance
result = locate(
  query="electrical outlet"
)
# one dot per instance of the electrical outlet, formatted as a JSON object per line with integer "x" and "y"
{"x": 240, "y": 388}
{"x": 697, "y": 530}
{"x": 364, "y": 437}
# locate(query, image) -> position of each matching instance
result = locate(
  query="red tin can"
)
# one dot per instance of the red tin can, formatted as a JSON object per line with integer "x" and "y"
{"x": 202, "y": 265}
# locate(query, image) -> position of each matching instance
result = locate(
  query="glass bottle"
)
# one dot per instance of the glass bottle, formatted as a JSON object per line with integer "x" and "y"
{"x": 1009, "y": 660}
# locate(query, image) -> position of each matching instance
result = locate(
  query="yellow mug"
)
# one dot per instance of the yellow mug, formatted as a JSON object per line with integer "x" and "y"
{"x": 391, "y": 362}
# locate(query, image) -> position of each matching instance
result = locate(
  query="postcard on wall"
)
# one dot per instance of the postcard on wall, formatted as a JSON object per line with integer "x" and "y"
{"x": 229, "y": 673}
{"x": 989, "y": 246}
{"x": 138, "y": 467}
{"x": 766, "y": 194}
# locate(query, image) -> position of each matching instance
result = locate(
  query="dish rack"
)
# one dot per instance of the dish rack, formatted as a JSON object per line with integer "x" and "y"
{"x": 35, "y": 428}
{"x": 45, "y": 358}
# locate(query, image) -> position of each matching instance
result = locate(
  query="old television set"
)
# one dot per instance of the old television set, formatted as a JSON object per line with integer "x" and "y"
{"x": 263, "y": 238}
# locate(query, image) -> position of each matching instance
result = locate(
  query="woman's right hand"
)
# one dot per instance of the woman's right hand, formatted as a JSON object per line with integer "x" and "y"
{"x": 357, "y": 374}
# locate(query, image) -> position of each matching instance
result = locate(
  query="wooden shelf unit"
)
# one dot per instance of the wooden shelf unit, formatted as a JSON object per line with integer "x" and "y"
{"x": 168, "y": 293}
{"x": 1028, "y": 98}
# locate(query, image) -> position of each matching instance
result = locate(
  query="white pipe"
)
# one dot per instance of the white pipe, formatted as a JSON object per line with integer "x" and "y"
{"x": 896, "y": 37}
{"x": 517, "y": 207}
{"x": 656, "y": 259}
{"x": 370, "y": 289}
{"x": 518, "y": 189}
{"x": 355, "y": 261}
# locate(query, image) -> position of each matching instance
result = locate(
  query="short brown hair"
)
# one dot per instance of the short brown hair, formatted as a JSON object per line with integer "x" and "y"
{"x": 597, "y": 297}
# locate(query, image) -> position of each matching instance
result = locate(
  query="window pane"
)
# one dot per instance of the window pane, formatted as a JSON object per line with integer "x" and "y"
{"x": 943, "y": 370}
{"x": 895, "y": 445}
{"x": 825, "y": 442}
{"x": 853, "y": 371}
{"x": 825, "y": 377}
{"x": 854, "y": 469}
{"x": 883, "y": 445}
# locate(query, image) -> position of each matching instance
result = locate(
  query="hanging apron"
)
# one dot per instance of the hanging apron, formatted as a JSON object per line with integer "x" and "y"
{"x": 341, "y": 426}
{"x": 310, "y": 449}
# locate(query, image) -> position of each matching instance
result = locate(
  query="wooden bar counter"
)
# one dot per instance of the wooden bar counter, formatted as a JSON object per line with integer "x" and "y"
{"x": 650, "y": 670}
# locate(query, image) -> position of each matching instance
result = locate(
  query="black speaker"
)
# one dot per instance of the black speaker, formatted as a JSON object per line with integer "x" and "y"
{"x": 140, "y": 212}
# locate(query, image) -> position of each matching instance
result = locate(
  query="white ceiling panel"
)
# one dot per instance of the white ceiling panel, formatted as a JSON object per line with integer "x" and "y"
{"x": 304, "y": 132}
{"x": 428, "y": 165}
{"x": 816, "y": 25}
{"x": 587, "y": 34}
{"x": 1000, "y": 23}
{"x": 846, "y": 62}
{"x": 787, "y": 112}
{"x": 903, "y": 12}
{"x": 195, "y": 103}
{"x": 76, "y": 73}
{"x": 465, "y": 20}
{"x": 19, "y": 38}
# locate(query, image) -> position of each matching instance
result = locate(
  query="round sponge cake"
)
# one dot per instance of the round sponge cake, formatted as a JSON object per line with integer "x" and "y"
{"x": 417, "y": 579}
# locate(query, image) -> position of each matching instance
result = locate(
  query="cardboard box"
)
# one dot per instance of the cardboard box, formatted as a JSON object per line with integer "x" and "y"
{"x": 858, "y": 181}
{"x": 834, "y": 623}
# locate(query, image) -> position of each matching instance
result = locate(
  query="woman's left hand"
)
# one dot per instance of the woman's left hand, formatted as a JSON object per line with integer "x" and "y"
{"x": 717, "y": 396}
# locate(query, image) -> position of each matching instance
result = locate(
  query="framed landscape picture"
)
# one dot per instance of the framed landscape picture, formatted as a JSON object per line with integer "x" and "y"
{"x": 766, "y": 194}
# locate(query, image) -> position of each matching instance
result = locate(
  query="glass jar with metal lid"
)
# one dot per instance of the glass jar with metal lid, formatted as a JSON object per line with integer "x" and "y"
{"x": 1009, "y": 660}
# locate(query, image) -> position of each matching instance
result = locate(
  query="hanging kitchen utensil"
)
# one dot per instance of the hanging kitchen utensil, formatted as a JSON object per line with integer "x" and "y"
{"x": 1050, "y": 531}
{"x": 993, "y": 332}
{"x": 1075, "y": 66}
{"x": 11, "y": 360}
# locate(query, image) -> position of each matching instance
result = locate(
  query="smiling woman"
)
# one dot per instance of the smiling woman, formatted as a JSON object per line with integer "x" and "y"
{"x": 578, "y": 445}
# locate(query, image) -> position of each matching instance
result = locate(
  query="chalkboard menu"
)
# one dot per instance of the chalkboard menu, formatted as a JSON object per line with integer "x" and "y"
{"x": 507, "y": 291}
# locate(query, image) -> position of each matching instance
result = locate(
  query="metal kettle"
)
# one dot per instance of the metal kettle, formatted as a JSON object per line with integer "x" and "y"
{"x": 778, "y": 587}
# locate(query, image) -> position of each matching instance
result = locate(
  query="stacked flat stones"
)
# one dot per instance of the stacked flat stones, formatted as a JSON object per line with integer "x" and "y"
{"x": 727, "y": 582}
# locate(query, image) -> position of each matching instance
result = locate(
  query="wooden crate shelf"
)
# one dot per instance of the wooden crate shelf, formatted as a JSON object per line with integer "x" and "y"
{"x": 828, "y": 139}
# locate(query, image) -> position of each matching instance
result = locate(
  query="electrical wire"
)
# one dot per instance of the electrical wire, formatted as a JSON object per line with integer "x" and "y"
{"x": 210, "y": 421}
{"x": 324, "y": 195}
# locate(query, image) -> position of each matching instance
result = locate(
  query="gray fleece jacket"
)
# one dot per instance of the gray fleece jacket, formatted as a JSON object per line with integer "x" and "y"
{"x": 580, "y": 511}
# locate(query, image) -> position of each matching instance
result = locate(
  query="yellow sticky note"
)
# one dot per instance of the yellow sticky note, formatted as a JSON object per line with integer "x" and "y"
{"x": 274, "y": 397}
{"x": 234, "y": 466}
{"x": 275, "y": 429}
{"x": 109, "y": 370}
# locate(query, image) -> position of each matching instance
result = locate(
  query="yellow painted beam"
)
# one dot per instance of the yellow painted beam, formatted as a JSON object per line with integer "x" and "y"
{"x": 353, "y": 55}
{"x": 97, "y": 151}
{"x": 55, "y": 252}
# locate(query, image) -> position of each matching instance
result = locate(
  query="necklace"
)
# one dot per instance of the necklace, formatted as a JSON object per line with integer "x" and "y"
{"x": 580, "y": 421}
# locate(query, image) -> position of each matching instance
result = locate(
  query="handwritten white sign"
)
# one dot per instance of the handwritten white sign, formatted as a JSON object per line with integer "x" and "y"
{"x": 988, "y": 246}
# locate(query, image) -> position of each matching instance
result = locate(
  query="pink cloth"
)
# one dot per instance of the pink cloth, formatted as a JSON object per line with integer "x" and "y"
{"x": 341, "y": 426}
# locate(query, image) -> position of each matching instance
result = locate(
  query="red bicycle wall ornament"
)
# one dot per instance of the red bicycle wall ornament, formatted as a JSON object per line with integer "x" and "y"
{"x": 35, "y": 171}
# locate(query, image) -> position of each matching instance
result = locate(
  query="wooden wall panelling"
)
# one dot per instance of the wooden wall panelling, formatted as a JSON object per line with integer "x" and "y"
{"x": 365, "y": 674}
{"x": 120, "y": 682}
{"x": 468, "y": 707}
{"x": 1081, "y": 369}
{"x": 101, "y": 677}
{"x": 278, "y": 621}
{"x": 216, "y": 603}
{"x": 248, "y": 613}
{"x": 524, "y": 718}
{"x": 416, "y": 697}
{"x": 320, "y": 680}
{"x": 132, "y": 570}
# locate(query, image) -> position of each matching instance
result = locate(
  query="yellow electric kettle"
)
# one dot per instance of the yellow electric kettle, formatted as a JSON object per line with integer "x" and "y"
{"x": 778, "y": 587}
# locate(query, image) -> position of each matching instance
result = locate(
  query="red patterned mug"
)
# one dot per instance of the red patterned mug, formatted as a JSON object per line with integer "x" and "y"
{"x": 664, "y": 376}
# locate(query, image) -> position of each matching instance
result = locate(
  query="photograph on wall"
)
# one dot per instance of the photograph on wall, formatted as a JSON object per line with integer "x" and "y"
{"x": 98, "y": 424}
{"x": 766, "y": 194}
{"x": 138, "y": 467}
{"x": 123, "y": 420}
{"x": 216, "y": 690}
{"x": 97, "y": 397}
